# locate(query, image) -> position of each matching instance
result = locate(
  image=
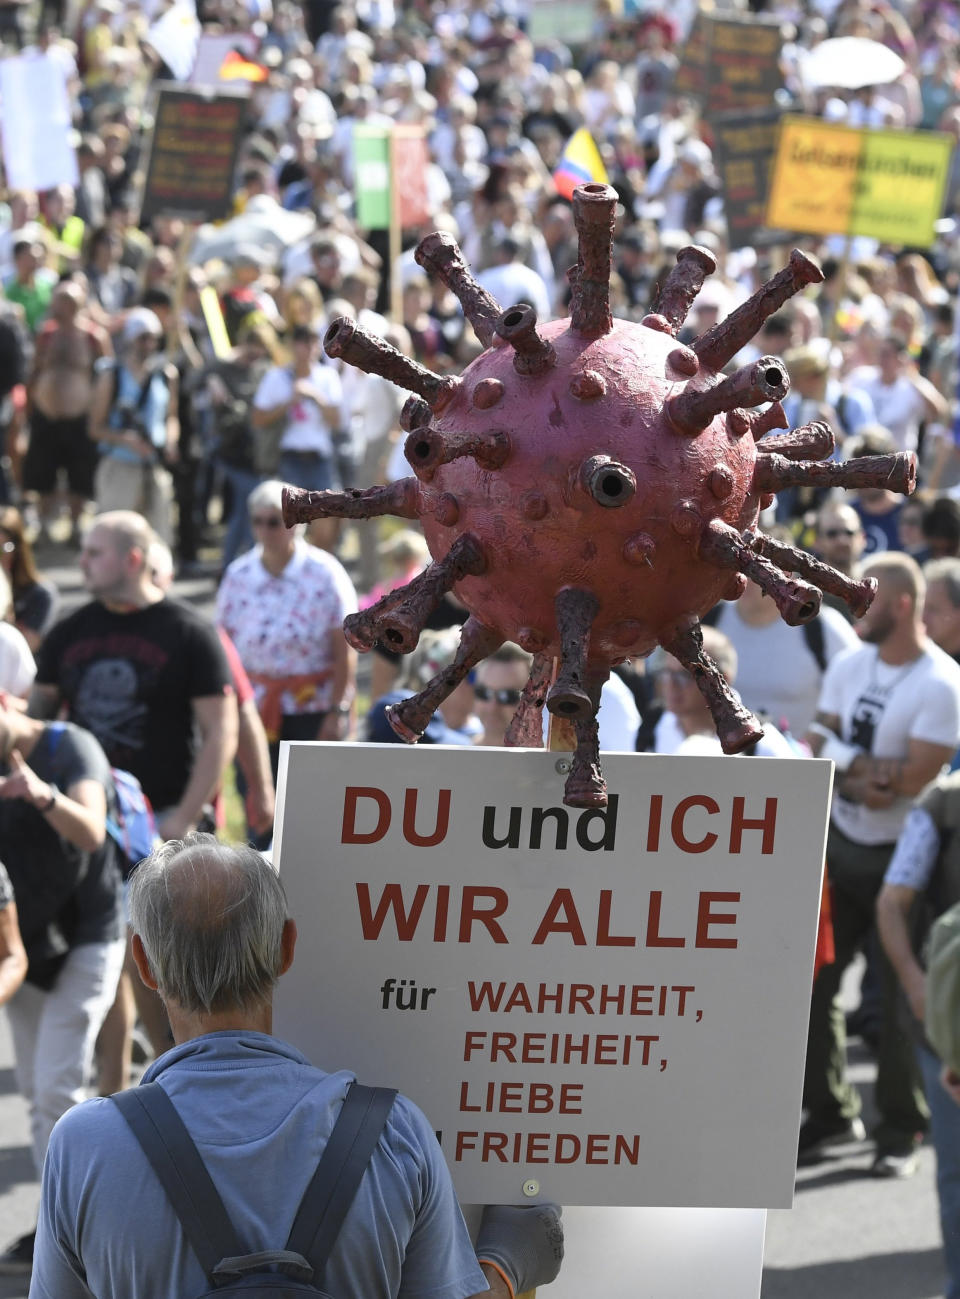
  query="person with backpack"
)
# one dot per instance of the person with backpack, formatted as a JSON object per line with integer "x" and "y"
{"x": 781, "y": 667}
{"x": 232, "y": 1149}
{"x": 921, "y": 886}
{"x": 133, "y": 420}
{"x": 56, "y": 794}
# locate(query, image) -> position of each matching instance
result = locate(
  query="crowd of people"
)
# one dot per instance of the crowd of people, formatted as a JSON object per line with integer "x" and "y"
{"x": 140, "y": 446}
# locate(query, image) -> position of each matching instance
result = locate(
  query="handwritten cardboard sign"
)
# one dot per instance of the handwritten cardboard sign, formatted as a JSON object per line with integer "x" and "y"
{"x": 732, "y": 63}
{"x": 591, "y": 1006}
{"x": 744, "y": 148}
{"x": 193, "y": 154}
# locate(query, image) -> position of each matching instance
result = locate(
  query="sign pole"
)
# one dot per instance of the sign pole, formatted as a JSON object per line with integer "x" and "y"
{"x": 842, "y": 273}
{"x": 178, "y": 336}
{"x": 394, "y": 242}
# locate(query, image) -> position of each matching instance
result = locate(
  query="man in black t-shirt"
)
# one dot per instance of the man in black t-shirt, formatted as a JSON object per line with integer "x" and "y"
{"x": 149, "y": 678}
{"x": 145, "y": 674}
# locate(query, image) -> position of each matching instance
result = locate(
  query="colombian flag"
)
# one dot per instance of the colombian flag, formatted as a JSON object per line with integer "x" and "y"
{"x": 580, "y": 164}
{"x": 236, "y": 68}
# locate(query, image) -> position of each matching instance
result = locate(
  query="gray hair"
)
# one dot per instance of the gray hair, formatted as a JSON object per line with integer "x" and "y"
{"x": 947, "y": 571}
{"x": 268, "y": 495}
{"x": 210, "y": 917}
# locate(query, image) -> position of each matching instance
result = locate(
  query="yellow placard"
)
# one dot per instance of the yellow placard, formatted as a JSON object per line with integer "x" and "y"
{"x": 216, "y": 325}
{"x": 836, "y": 180}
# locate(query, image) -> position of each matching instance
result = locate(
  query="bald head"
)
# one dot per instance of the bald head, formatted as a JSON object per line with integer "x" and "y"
{"x": 211, "y": 918}
{"x": 127, "y": 530}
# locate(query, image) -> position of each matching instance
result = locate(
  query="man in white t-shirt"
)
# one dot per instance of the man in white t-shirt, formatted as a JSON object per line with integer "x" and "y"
{"x": 780, "y": 667}
{"x": 901, "y": 397}
{"x": 304, "y": 399}
{"x": 889, "y": 718}
{"x": 686, "y": 725}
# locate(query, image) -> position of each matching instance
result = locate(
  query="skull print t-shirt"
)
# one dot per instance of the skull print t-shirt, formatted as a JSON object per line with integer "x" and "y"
{"x": 131, "y": 679}
{"x": 882, "y": 707}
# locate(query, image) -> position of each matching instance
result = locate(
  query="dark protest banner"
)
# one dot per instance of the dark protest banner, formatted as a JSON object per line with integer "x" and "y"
{"x": 731, "y": 64}
{"x": 562, "y": 990}
{"x": 691, "y": 78}
{"x": 744, "y": 149}
{"x": 193, "y": 154}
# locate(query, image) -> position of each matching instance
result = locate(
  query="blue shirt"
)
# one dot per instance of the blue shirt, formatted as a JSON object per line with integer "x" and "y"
{"x": 260, "y": 1115}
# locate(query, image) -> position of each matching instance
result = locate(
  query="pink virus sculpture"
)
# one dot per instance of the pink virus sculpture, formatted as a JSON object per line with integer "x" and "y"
{"x": 589, "y": 488}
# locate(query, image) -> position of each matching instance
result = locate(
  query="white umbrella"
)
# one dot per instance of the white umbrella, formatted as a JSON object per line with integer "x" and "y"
{"x": 263, "y": 224}
{"x": 850, "y": 63}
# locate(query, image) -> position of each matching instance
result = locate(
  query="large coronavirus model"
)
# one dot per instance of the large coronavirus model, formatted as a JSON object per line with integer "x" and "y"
{"x": 591, "y": 487}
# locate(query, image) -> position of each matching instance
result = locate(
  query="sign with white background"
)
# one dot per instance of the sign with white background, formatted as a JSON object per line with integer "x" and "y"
{"x": 603, "y": 1007}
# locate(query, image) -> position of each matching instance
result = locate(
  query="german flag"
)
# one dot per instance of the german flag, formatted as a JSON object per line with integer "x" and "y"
{"x": 235, "y": 67}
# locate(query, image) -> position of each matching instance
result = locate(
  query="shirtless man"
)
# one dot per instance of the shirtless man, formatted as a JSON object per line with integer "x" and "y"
{"x": 60, "y": 389}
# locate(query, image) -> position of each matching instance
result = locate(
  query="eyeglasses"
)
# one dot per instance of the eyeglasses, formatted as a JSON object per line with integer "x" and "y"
{"x": 267, "y": 521}
{"x": 832, "y": 533}
{"x": 502, "y": 696}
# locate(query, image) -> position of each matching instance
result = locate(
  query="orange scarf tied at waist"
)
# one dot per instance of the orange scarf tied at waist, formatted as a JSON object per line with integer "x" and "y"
{"x": 302, "y": 685}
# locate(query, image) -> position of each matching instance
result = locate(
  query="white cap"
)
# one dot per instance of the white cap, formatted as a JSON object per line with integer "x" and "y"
{"x": 140, "y": 321}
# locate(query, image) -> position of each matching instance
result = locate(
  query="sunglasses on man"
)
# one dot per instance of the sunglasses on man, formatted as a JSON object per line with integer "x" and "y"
{"x": 501, "y": 696}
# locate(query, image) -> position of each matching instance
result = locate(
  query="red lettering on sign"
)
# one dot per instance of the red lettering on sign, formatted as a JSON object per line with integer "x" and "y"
{"x": 439, "y": 832}
{"x": 707, "y": 917}
{"x": 679, "y": 815}
{"x": 351, "y": 796}
{"x": 767, "y": 823}
{"x": 391, "y": 899}
{"x": 561, "y": 904}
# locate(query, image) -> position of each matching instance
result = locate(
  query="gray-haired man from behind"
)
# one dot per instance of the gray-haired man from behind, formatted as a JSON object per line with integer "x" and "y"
{"x": 212, "y": 935}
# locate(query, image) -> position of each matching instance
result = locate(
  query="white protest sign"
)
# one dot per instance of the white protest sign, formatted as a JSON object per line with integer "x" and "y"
{"x": 35, "y": 124}
{"x": 667, "y": 1253}
{"x": 593, "y": 1007}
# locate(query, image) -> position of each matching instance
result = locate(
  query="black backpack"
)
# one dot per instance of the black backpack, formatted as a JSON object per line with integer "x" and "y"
{"x": 295, "y": 1271}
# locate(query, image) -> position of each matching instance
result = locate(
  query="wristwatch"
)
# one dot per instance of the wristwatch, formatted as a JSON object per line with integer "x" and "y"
{"x": 48, "y": 806}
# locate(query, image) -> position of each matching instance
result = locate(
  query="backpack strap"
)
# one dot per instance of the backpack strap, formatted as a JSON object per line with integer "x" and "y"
{"x": 334, "y": 1185}
{"x": 176, "y": 1161}
{"x": 815, "y": 641}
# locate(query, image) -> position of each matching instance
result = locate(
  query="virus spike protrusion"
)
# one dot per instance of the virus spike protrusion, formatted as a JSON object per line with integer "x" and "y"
{"x": 532, "y": 353}
{"x": 857, "y": 595}
{"x": 683, "y": 284}
{"x": 411, "y": 717}
{"x": 723, "y": 341}
{"x": 773, "y": 417}
{"x": 594, "y": 215}
{"x": 401, "y": 499}
{"x": 415, "y": 413}
{"x": 585, "y": 785}
{"x": 897, "y": 473}
{"x": 722, "y": 545}
{"x": 692, "y": 410}
{"x": 576, "y": 609}
{"x": 439, "y": 254}
{"x": 428, "y": 448}
{"x": 607, "y": 481}
{"x": 808, "y": 442}
{"x": 398, "y": 619}
{"x": 526, "y": 726}
{"x": 736, "y": 726}
{"x": 373, "y": 355}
